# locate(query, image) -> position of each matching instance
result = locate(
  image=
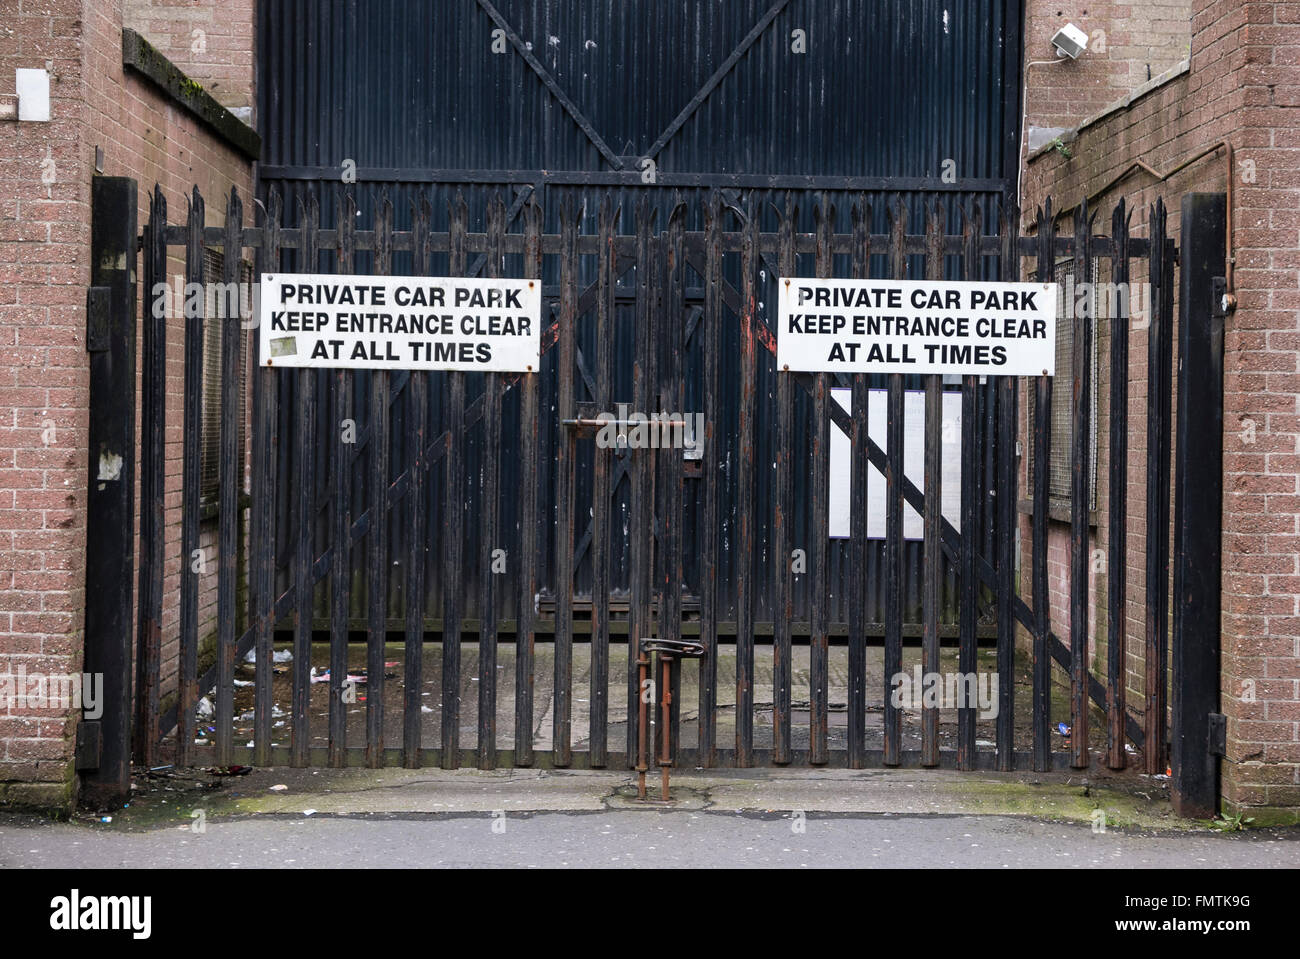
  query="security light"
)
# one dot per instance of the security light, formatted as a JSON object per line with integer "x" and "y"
{"x": 1070, "y": 41}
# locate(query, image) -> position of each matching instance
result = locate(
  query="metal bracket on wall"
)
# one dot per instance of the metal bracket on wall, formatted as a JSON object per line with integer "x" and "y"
{"x": 1218, "y": 735}
{"x": 90, "y": 744}
{"x": 97, "y": 319}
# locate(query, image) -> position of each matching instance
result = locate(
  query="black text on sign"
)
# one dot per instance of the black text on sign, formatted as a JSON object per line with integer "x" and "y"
{"x": 399, "y": 322}
{"x": 916, "y": 326}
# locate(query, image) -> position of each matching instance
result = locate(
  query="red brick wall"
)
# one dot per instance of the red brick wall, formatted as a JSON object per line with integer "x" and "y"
{"x": 1243, "y": 83}
{"x": 211, "y": 40}
{"x": 44, "y": 271}
{"x": 1129, "y": 43}
{"x": 44, "y": 243}
{"x": 1261, "y": 629}
{"x": 148, "y": 137}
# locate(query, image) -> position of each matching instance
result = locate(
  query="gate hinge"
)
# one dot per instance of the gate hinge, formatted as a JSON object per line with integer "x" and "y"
{"x": 97, "y": 319}
{"x": 90, "y": 742}
{"x": 1218, "y": 734}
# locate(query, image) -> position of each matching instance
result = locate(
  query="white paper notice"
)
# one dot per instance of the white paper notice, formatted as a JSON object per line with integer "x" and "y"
{"x": 913, "y": 463}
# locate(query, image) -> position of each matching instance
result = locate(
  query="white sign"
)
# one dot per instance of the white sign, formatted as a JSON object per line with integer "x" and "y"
{"x": 400, "y": 322}
{"x": 916, "y": 326}
{"x": 841, "y": 469}
{"x": 33, "y": 89}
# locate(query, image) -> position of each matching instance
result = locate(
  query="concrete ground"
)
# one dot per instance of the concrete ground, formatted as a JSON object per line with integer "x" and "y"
{"x": 616, "y": 718}
{"x": 635, "y": 839}
{"x": 750, "y": 818}
{"x": 794, "y": 817}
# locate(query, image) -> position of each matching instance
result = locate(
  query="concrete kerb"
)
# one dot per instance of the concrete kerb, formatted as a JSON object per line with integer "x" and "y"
{"x": 1129, "y": 800}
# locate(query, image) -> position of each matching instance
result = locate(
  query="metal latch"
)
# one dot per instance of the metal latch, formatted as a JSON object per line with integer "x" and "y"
{"x": 90, "y": 744}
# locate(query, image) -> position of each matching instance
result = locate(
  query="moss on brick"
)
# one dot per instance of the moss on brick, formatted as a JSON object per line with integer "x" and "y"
{"x": 141, "y": 56}
{"x": 1263, "y": 815}
{"x": 49, "y": 799}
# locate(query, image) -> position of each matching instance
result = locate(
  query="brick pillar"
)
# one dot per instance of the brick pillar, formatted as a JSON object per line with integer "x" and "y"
{"x": 1248, "y": 56}
{"x": 44, "y": 271}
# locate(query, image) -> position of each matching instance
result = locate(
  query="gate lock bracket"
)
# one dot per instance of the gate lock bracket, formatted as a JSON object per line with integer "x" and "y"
{"x": 668, "y": 650}
{"x": 589, "y": 421}
{"x": 98, "y": 319}
{"x": 1218, "y": 734}
{"x": 90, "y": 744}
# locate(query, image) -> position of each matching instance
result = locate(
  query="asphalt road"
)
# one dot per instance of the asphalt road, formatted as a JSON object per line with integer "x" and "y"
{"x": 642, "y": 838}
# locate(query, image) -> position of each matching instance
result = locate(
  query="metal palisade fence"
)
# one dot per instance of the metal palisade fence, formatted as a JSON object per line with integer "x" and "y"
{"x": 377, "y": 517}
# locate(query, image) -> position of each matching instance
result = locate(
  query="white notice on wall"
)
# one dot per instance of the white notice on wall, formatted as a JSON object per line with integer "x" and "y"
{"x": 916, "y": 326}
{"x": 399, "y": 322}
{"x": 950, "y": 466}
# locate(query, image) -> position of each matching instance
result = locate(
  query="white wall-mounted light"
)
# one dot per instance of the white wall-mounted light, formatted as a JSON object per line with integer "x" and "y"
{"x": 1070, "y": 41}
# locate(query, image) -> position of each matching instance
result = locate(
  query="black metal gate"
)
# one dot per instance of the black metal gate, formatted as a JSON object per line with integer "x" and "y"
{"x": 378, "y": 560}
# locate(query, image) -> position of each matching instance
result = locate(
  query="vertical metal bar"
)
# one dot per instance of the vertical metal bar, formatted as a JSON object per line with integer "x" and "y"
{"x": 529, "y": 426}
{"x": 894, "y": 512}
{"x": 377, "y": 540}
{"x": 265, "y": 439}
{"x": 672, "y": 370}
{"x": 712, "y": 478}
{"x": 489, "y": 506}
{"x": 859, "y": 471}
{"x": 745, "y": 579}
{"x": 655, "y": 542}
{"x": 1008, "y": 425}
{"x": 1198, "y": 505}
{"x": 188, "y": 685}
{"x": 662, "y": 315}
{"x": 600, "y": 522}
{"x": 819, "y": 638}
{"x": 1080, "y": 490}
{"x": 417, "y": 547}
{"x": 152, "y": 487}
{"x": 562, "y": 724}
{"x": 1159, "y": 347}
{"x": 642, "y": 508}
{"x": 988, "y": 446}
{"x": 342, "y": 444}
{"x": 228, "y": 491}
{"x": 1042, "y": 656}
{"x": 968, "y": 614}
{"x": 932, "y": 571}
{"x": 782, "y": 531}
{"x": 971, "y": 483}
{"x": 153, "y": 425}
{"x": 1117, "y": 582}
{"x": 110, "y": 502}
{"x": 305, "y": 487}
{"x": 453, "y": 552}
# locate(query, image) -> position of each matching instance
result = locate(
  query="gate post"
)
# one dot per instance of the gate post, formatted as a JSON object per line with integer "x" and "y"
{"x": 1198, "y": 503}
{"x": 110, "y": 547}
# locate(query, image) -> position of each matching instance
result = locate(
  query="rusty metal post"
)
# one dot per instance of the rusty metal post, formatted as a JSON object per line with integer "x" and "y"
{"x": 665, "y": 717}
{"x": 668, "y": 650}
{"x": 643, "y": 669}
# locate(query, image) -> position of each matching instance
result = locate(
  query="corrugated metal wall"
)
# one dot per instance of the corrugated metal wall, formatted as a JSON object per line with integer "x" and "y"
{"x": 413, "y": 95}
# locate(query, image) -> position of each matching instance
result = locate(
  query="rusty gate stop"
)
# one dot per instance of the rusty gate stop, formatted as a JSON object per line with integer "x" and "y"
{"x": 668, "y": 650}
